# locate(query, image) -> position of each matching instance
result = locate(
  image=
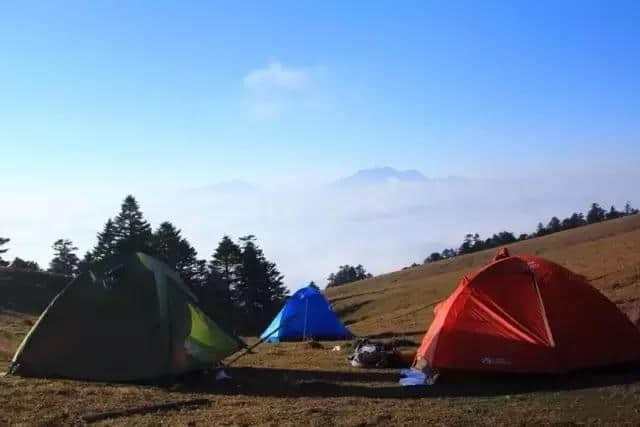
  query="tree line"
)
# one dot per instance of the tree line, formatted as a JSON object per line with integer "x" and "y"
{"x": 237, "y": 286}
{"x": 473, "y": 242}
{"x": 347, "y": 274}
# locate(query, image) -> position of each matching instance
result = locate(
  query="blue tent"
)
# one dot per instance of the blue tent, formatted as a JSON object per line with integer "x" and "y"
{"x": 307, "y": 314}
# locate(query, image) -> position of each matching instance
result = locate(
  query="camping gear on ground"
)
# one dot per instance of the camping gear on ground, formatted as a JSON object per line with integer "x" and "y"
{"x": 370, "y": 354}
{"x": 222, "y": 375}
{"x": 306, "y": 315}
{"x": 527, "y": 314}
{"x": 411, "y": 377}
{"x": 133, "y": 319}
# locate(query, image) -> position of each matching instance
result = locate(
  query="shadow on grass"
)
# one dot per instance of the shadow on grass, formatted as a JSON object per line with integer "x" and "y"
{"x": 379, "y": 291}
{"x": 345, "y": 311}
{"x": 383, "y": 385}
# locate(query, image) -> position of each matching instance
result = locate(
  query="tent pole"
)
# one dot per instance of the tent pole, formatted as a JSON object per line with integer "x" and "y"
{"x": 247, "y": 350}
{"x": 306, "y": 308}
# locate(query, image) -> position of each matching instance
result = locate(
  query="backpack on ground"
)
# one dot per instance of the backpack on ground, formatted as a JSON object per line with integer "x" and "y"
{"x": 368, "y": 354}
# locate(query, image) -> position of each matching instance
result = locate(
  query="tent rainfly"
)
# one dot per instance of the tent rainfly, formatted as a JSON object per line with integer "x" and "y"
{"x": 130, "y": 320}
{"x": 527, "y": 314}
{"x": 306, "y": 315}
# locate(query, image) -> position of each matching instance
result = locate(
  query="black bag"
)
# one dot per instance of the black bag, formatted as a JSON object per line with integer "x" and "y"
{"x": 367, "y": 354}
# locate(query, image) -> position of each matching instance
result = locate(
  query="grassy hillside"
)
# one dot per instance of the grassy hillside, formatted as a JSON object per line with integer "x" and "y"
{"x": 295, "y": 383}
{"x": 400, "y": 303}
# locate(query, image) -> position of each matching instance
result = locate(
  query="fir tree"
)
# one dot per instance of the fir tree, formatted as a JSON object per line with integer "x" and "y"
{"x": 216, "y": 300}
{"x": 435, "y": 256}
{"x": 106, "y": 246}
{"x": 554, "y": 225}
{"x": 259, "y": 291}
{"x": 629, "y": 210}
{"x": 449, "y": 253}
{"x": 133, "y": 233}
{"x": 65, "y": 261}
{"x": 21, "y": 264}
{"x": 613, "y": 213}
{"x": 168, "y": 245}
{"x": 85, "y": 263}
{"x": 595, "y": 214}
{"x": 575, "y": 220}
{"x": 225, "y": 261}
{"x": 347, "y": 274}
{"x": 217, "y": 280}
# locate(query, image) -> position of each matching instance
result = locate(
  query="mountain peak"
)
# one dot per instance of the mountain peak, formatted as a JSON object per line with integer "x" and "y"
{"x": 380, "y": 175}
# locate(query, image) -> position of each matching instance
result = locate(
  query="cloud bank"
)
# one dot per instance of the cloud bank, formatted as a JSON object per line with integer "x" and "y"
{"x": 310, "y": 231}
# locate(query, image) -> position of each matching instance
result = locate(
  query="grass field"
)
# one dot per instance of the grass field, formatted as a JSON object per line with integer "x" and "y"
{"x": 295, "y": 383}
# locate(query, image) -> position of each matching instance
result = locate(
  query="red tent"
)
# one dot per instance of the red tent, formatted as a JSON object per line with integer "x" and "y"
{"x": 527, "y": 314}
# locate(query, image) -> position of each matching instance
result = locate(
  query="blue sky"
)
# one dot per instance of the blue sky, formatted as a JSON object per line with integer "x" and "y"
{"x": 100, "y": 99}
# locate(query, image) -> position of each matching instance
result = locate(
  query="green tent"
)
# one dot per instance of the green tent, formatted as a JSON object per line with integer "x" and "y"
{"x": 133, "y": 319}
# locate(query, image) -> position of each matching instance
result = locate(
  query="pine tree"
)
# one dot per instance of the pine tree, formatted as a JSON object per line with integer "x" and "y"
{"x": 277, "y": 291}
{"x": 595, "y": 214}
{"x": 575, "y": 220}
{"x": 106, "y": 246}
{"x": 21, "y": 264}
{"x": 216, "y": 300}
{"x": 218, "y": 283}
{"x": 133, "y": 233}
{"x": 629, "y": 210}
{"x": 449, "y": 253}
{"x": 225, "y": 261}
{"x": 259, "y": 292}
{"x": 85, "y": 263}
{"x": 65, "y": 261}
{"x": 467, "y": 245}
{"x": 347, "y": 274}
{"x": 168, "y": 245}
{"x": 613, "y": 213}
{"x": 554, "y": 225}
{"x": 200, "y": 274}
{"x": 3, "y": 241}
{"x": 435, "y": 256}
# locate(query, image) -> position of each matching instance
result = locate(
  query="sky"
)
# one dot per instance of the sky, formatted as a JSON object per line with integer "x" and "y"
{"x": 236, "y": 117}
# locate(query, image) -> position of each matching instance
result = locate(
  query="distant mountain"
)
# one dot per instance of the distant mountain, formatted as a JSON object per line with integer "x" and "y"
{"x": 379, "y": 176}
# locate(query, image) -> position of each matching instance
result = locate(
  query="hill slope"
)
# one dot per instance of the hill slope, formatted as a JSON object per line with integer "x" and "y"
{"x": 400, "y": 303}
{"x": 295, "y": 383}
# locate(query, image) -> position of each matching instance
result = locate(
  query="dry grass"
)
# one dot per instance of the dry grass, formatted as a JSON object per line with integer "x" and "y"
{"x": 298, "y": 383}
{"x": 608, "y": 254}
